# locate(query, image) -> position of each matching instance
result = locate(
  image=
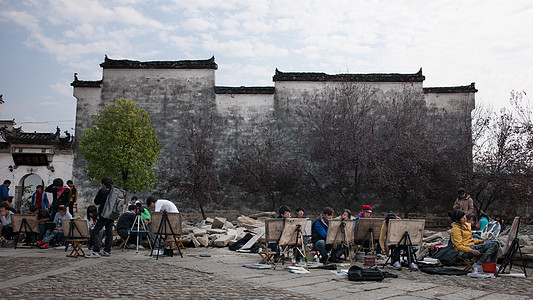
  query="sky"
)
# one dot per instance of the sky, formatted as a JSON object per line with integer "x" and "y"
{"x": 44, "y": 42}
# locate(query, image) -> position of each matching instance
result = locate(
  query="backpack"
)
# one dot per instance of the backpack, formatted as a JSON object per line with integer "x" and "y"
{"x": 447, "y": 255}
{"x": 356, "y": 273}
{"x": 114, "y": 203}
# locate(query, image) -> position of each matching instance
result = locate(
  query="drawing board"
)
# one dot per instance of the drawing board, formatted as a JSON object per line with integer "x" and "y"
{"x": 173, "y": 218}
{"x": 273, "y": 229}
{"x": 366, "y": 225}
{"x": 335, "y": 235}
{"x": 397, "y": 228}
{"x": 81, "y": 231}
{"x": 513, "y": 233}
{"x": 288, "y": 236}
{"x": 32, "y": 221}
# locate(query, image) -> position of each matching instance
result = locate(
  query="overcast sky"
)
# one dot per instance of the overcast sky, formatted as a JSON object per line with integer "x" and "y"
{"x": 455, "y": 42}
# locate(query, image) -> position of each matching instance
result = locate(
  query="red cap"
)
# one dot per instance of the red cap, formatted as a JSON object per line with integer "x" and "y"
{"x": 367, "y": 208}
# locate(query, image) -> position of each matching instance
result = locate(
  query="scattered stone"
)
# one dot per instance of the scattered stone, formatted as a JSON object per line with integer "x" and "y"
{"x": 218, "y": 223}
{"x": 224, "y": 240}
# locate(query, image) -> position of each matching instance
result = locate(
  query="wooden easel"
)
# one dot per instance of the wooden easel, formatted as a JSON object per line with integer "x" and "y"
{"x": 512, "y": 250}
{"x": 345, "y": 239}
{"x": 163, "y": 230}
{"x": 24, "y": 226}
{"x": 297, "y": 237}
{"x": 77, "y": 235}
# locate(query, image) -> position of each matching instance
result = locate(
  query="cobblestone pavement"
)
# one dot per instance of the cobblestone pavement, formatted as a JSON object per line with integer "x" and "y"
{"x": 39, "y": 274}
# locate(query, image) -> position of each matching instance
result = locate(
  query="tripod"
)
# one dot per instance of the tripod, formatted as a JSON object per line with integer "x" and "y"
{"x": 299, "y": 238}
{"x": 27, "y": 229}
{"x": 508, "y": 258}
{"x": 163, "y": 229}
{"x": 138, "y": 224}
{"x": 343, "y": 243}
{"x": 405, "y": 242}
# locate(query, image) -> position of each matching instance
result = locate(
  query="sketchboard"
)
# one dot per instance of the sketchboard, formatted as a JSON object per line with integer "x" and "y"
{"x": 512, "y": 234}
{"x": 334, "y": 226}
{"x": 397, "y": 228}
{"x": 32, "y": 221}
{"x": 307, "y": 231}
{"x": 273, "y": 229}
{"x": 364, "y": 225}
{"x": 173, "y": 218}
{"x": 81, "y": 225}
{"x": 288, "y": 236}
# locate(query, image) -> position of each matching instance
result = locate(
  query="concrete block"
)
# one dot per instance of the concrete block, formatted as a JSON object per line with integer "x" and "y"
{"x": 204, "y": 241}
{"x": 224, "y": 240}
{"x": 199, "y": 231}
{"x": 217, "y": 231}
{"x": 209, "y": 220}
{"x": 227, "y": 225}
{"x": 218, "y": 223}
{"x": 194, "y": 240}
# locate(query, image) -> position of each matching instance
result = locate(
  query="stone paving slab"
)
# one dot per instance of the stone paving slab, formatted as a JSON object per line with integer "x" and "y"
{"x": 26, "y": 273}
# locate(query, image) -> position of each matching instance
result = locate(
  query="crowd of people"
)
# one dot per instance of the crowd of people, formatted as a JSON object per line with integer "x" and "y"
{"x": 52, "y": 215}
{"x": 463, "y": 221}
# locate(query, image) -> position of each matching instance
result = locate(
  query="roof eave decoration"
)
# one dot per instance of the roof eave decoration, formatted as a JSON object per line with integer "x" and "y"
{"x": 266, "y": 90}
{"x": 373, "y": 77}
{"x": 180, "y": 64}
{"x": 452, "y": 89}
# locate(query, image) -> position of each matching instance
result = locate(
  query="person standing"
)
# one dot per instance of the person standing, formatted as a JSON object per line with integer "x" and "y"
{"x": 40, "y": 198}
{"x": 100, "y": 199}
{"x": 464, "y": 202}
{"x": 61, "y": 195}
{"x": 73, "y": 196}
{"x": 4, "y": 190}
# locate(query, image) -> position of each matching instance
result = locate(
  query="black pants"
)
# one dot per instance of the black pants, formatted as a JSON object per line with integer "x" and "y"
{"x": 71, "y": 208}
{"x": 108, "y": 225}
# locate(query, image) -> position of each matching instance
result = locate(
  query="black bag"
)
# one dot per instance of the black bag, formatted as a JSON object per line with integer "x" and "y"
{"x": 447, "y": 255}
{"x": 356, "y": 273}
{"x": 443, "y": 271}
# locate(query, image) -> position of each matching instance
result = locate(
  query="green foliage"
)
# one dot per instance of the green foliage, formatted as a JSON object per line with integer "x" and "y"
{"x": 121, "y": 144}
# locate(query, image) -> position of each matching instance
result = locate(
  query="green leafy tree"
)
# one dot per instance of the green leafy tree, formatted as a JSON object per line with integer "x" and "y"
{"x": 123, "y": 145}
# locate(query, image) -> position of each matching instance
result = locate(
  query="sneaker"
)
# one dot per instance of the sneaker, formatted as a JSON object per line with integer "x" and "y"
{"x": 141, "y": 247}
{"x": 477, "y": 268}
{"x": 105, "y": 253}
{"x": 40, "y": 243}
{"x": 44, "y": 246}
{"x": 413, "y": 267}
{"x": 93, "y": 255}
{"x": 397, "y": 265}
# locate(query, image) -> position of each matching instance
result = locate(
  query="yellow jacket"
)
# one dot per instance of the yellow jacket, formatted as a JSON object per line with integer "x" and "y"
{"x": 462, "y": 237}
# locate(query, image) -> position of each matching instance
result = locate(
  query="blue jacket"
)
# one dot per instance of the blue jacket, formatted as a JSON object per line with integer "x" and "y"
{"x": 44, "y": 202}
{"x": 319, "y": 231}
{"x": 4, "y": 192}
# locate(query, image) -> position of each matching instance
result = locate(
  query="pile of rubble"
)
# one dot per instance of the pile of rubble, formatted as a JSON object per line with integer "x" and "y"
{"x": 218, "y": 232}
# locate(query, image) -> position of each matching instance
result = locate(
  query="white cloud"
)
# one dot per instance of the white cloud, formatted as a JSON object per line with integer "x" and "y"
{"x": 200, "y": 24}
{"x": 62, "y": 87}
{"x": 24, "y": 19}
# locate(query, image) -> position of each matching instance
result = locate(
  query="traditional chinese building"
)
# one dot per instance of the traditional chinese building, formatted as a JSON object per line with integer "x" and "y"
{"x": 28, "y": 159}
{"x": 168, "y": 89}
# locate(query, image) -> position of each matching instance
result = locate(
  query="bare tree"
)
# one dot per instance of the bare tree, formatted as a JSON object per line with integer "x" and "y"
{"x": 336, "y": 128}
{"x": 411, "y": 158}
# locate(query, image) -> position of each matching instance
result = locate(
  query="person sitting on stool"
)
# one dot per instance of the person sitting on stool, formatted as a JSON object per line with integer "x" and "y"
{"x": 125, "y": 222}
{"x": 319, "y": 232}
{"x": 467, "y": 246}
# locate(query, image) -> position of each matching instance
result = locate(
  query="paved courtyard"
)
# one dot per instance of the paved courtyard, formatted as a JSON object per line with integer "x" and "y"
{"x": 36, "y": 273}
